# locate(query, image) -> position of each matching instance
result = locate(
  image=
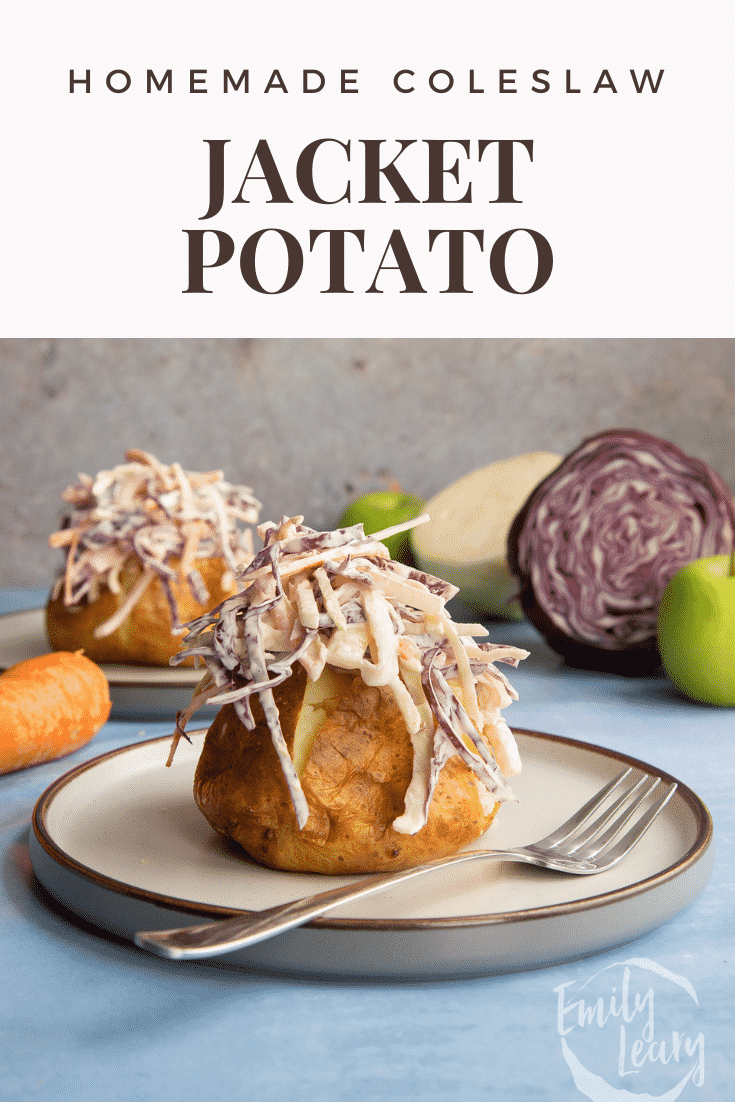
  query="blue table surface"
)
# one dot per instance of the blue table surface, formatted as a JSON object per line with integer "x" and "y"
{"x": 90, "y": 1018}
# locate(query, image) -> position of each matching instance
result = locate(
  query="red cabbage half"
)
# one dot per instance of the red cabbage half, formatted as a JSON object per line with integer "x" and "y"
{"x": 597, "y": 541}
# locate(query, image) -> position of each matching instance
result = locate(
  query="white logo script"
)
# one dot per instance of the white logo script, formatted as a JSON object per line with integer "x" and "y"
{"x": 618, "y": 1027}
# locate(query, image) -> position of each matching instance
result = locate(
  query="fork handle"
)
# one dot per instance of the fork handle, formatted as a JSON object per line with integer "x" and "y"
{"x": 225, "y": 935}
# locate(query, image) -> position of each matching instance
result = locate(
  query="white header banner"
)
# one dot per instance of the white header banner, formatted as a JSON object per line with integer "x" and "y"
{"x": 391, "y": 170}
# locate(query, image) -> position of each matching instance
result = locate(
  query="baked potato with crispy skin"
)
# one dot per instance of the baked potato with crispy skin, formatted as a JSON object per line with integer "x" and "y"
{"x": 360, "y": 728}
{"x": 145, "y": 636}
{"x": 354, "y": 757}
{"x": 147, "y": 547}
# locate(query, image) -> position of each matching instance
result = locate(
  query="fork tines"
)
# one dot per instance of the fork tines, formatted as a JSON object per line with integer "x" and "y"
{"x": 594, "y": 840}
{"x": 629, "y": 800}
{"x": 611, "y": 853}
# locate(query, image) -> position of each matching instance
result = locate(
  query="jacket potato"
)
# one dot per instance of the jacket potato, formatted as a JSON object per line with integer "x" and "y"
{"x": 360, "y": 728}
{"x": 354, "y": 759}
{"x": 146, "y": 635}
{"x": 147, "y": 547}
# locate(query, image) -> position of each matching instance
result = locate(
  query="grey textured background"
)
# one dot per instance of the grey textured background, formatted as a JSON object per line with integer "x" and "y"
{"x": 311, "y": 424}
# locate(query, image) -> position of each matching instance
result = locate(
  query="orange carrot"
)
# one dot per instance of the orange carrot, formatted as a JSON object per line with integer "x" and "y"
{"x": 49, "y": 707}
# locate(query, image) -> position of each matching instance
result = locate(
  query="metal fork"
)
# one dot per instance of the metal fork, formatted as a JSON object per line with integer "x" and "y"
{"x": 578, "y": 846}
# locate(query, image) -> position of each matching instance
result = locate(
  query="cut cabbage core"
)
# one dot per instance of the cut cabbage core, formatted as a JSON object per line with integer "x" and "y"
{"x": 465, "y": 540}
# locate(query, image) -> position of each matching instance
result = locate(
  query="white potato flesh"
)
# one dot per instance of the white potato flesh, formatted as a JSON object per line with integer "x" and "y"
{"x": 329, "y": 687}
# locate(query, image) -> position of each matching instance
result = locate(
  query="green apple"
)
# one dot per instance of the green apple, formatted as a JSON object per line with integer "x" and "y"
{"x": 465, "y": 540}
{"x": 383, "y": 509}
{"x": 696, "y": 630}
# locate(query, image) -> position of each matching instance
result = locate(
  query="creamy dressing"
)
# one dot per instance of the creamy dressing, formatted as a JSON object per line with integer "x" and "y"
{"x": 142, "y": 511}
{"x": 335, "y": 600}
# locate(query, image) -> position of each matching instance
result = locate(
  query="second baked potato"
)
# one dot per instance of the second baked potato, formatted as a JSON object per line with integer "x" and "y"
{"x": 145, "y": 636}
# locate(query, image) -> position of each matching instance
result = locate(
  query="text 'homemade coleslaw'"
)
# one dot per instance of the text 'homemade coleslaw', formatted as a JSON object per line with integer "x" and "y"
{"x": 337, "y": 599}
{"x": 143, "y": 510}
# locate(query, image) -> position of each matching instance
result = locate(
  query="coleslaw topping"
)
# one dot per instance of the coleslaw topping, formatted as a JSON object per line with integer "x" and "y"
{"x": 338, "y": 599}
{"x": 147, "y": 512}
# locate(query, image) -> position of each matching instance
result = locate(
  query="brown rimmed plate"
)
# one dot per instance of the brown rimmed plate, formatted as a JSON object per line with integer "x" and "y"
{"x": 153, "y": 692}
{"x": 120, "y": 842}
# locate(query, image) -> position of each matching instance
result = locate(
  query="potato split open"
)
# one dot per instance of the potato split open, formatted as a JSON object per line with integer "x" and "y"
{"x": 361, "y": 728}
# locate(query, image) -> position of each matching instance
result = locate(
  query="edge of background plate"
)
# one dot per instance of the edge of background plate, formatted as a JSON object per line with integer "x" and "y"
{"x": 136, "y": 692}
{"x": 117, "y": 674}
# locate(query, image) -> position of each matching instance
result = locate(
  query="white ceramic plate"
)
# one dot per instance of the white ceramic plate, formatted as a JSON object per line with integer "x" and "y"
{"x": 120, "y": 842}
{"x": 149, "y": 692}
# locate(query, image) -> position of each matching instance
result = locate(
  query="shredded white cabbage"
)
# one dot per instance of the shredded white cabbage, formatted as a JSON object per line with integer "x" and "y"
{"x": 337, "y": 598}
{"x": 145, "y": 511}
